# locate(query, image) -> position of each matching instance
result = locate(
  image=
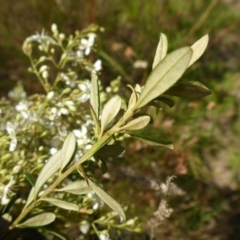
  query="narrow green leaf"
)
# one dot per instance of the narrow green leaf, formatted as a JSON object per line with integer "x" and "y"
{"x": 164, "y": 75}
{"x": 48, "y": 170}
{"x": 110, "y": 111}
{"x": 198, "y": 49}
{"x": 30, "y": 179}
{"x": 153, "y": 141}
{"x": 124, "y": 104}
{"x": 191, "y": 89}
{"x": 55, "y": 234}
{"x": 62, "y": 204}
{"x": 161, "y": 50}
{"x": 113, "y": 150}
{"x": 165, "y": 100}
{"x": 38, "y": 220}
{"x": 137, "y": 123}
{"x": 31, "y": 197}
{"x": 77, "y": 188}
{"x": 68, "y": 150}
{"x": 112, "y": 203}
{"x": 96, "y": 128}
{"x": 94, "y": 97}
{"x": 133, "y": 98}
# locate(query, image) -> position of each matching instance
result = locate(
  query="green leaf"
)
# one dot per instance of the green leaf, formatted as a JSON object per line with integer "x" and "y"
{"x": 101, "y": 164}
{"x": 137, "y": 123}
{"x": 161, "y": 50}
{"x": 30, "y": 179}
{"x": 153, "y": 141}
{"x": 55, "y": 234}
{"x": 164, "y": 75}
{"x": 94, "y": 97}
{"x": 165, "y": 100}
{"x": 110, "y": 111}
{"x": 191, "y": 89}
{"x": 31, "y": 197}
{"x": 124, "y": 104}
{"x": 68, "y": 149}
{"x": 110, "y": 151}
{"x": 96, "y": 128}
{"x": 112, "y": 203}
{"x": 77, "y": 188}
{"x": 133, "y": 98}
{"x": 48, "y": 170}
{"x": 62, "y": 204}
{"x": 38, "y": 220}
{"x": 198, "y": 49}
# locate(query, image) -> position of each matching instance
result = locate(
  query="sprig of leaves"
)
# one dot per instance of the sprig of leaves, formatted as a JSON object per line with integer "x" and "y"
{"x": 109, "y": 123}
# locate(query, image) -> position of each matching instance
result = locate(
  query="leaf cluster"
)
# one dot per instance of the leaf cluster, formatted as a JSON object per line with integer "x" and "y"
{"x": 93, "y": 134}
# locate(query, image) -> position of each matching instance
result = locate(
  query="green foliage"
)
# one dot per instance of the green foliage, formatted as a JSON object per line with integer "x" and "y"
{"x": 76, "y": 124}
{"x": 39, "y": 220}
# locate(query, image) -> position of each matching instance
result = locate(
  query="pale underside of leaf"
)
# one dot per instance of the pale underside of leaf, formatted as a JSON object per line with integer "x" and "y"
{"x": 164, "y": 75}
{"x": 112, "y": 203}
{"x": 133, "y": 98}
{"x": 110, "y": 111}
{"x": 77, "y": 188}
{"x": 161, "y": 50}
{"x": 48, "y": 170}
{"x": 137, "y": 123}
{"x": 94, "y": 97}
{"x": 68, "y": 149}
{"x": 38, "y": 221}
{"x": 198, "y": 49}
{"x": 62, "y": 204}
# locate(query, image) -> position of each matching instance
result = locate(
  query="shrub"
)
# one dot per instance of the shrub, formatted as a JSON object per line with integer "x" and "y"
{"x": 52, "y": 143}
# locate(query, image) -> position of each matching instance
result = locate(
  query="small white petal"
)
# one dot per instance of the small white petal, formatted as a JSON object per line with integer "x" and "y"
{"x": 50, "y": 95}
{"x": 53, "y": 151}
{"x": 45, "y": 74}
{"x": 64, "y": 111}
{"x": 84, "y": 227}
{"x": 54, "y": 27}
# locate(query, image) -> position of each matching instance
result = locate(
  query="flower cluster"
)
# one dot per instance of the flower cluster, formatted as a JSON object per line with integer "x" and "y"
{"x": 33, "y": 127}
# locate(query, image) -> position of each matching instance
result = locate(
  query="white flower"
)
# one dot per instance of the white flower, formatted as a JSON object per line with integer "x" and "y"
{"x": 86, "y": 44}
{"x": 53, "y": 151}
{"x": 45, "y": 74}
{"x": 81, "y": 135}
{"x": 11, "y": 131}
{"x": 54, "y": 27}
{"x": 17, "y": 93}
{"x": 43, "y": 68}
{"x": 64, "y": 111}
{"x": 61, "y": 36}
{"x": 85, "y": 87}
{"x": 97, "y": 66}
{"x": 104, "y": 236}
{"x": 84, "y": 227}
{"x": 96, "y": 200}
{"x": 50, "y": 95}
{"x": 6, "y": 190}
{"x": 41, "y": 38}
{"x": 140, "y": 64}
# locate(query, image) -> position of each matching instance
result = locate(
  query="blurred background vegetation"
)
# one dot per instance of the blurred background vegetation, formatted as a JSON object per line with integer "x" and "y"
{"x": 205, "y": 132}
